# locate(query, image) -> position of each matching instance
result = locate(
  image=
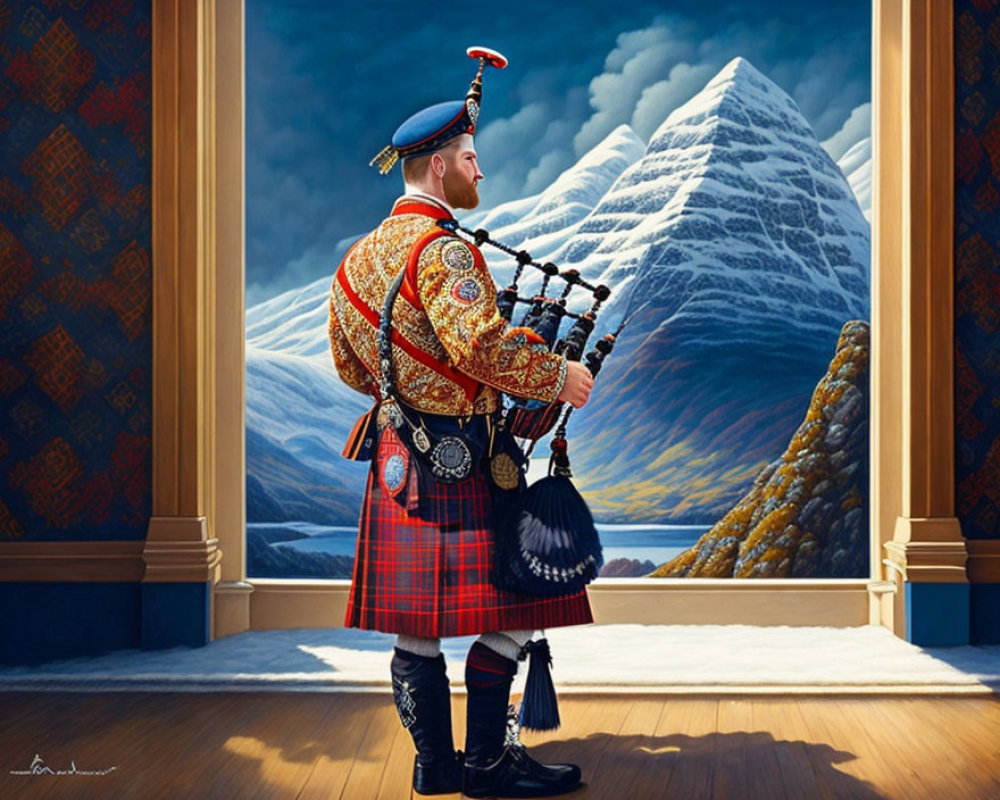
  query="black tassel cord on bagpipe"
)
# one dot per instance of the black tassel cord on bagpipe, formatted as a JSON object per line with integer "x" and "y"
{"x": 548, "y": 545}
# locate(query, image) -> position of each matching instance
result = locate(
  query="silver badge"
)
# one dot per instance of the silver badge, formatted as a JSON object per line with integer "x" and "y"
{"x": 457, "y": 256}
{"x": 394, "y": 471}
{"x": 466, "y": 291}
{"x": 421, "y": 441}
{"x": 451, "y": 459}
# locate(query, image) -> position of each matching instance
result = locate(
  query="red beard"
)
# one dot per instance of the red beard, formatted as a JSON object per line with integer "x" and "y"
{"x": 459, "y": 192}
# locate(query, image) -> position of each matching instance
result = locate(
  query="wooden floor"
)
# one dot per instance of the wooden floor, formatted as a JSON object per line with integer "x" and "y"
{"x": 224, "y": 746}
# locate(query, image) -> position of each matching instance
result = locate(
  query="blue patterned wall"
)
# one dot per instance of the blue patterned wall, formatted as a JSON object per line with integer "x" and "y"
{"x": 977, "y": 267}
{"x": 75, "y": 279}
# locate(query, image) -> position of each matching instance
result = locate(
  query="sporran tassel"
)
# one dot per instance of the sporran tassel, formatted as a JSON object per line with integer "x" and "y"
{"x": 385, "y": 160}
{"x": 539, "y": 705}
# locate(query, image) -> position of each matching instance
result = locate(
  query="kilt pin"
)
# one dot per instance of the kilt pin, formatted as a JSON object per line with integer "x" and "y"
{"x": 425, "y": 547}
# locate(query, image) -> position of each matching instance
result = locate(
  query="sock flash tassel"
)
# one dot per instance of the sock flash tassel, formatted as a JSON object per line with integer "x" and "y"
{"x": 539, "y": 705}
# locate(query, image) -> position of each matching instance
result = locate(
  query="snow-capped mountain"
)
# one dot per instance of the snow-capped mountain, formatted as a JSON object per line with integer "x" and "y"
{"x": 544, "y": 221}
{"x": 299, "y": 411}
{"x": 856, "y": 164}
{"x": 747, "y": 247}
{"x": 733, "y": 201}
{"x": 744, "y": 238}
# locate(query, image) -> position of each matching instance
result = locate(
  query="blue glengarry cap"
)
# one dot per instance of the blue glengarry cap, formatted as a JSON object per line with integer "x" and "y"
{"x": 432, "y": 127}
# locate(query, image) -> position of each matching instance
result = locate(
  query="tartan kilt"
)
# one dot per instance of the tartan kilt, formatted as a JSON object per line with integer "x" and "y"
{"x": 425, "y": 554}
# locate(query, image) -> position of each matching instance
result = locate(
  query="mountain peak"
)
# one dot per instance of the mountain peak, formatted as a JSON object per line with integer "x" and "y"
{"x": 621, "y": 141}
{"x": 740, "y": 70}
{"x": 741, "y": 94}
{"x": 623, "y": 132}
{"x": 572, "y": 194}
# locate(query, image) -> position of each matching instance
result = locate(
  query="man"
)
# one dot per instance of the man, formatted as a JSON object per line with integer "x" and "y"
{"x": 425, "y": 545}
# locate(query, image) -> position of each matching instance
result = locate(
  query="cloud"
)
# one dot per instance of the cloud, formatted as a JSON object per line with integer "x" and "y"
{"x": 640, "y": 59}
{"x": 828, "y": 82}
{"x": 856, "y": 127}
{"x": 683, "y": 83}
{"x": 524, "y": 153}
{"x": 653, "y": 70}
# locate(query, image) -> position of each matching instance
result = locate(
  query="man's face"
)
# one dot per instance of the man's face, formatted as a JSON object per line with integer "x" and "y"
{"x": 461, "y": 175}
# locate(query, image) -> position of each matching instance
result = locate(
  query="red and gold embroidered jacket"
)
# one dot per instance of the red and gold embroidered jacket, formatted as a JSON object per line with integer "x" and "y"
{"x": 452, "y": 351}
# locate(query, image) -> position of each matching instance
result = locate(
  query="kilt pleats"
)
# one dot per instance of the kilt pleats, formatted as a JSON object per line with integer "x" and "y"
{"x": 423, "y": 564}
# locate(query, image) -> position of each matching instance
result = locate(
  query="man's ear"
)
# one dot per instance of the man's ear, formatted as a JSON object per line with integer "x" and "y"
{"x": 438, "y": 165}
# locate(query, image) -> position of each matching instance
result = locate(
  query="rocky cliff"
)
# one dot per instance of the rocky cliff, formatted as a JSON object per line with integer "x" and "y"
{"x": 806, "y": 514}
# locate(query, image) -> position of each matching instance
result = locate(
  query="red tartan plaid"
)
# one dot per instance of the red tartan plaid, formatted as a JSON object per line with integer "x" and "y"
{"x": 432, "y": 578}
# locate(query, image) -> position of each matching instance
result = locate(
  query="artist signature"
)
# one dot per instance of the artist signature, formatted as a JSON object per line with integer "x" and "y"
{"x": 39, "y": 767}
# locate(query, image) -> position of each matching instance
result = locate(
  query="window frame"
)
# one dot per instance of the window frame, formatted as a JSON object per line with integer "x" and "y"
{"x": 199, "y": 525}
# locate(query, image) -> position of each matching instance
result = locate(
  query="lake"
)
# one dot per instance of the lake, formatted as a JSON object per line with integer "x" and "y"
{"x": 658, "y": 543}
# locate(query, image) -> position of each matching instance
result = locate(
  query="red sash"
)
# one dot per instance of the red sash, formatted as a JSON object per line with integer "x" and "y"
{"x": 469, "y": 384}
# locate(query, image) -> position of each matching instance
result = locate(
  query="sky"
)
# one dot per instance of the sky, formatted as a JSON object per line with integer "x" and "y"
{"x": 329, "y": 82}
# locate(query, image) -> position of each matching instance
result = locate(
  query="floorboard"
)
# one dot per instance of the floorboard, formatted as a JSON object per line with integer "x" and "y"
{"x": 351, "y": 746}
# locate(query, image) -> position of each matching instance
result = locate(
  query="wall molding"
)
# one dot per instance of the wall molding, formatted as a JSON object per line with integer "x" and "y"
{"x": 76, "y": 562}
{"x": 915, "y": 536}
{"x": 927, "y": 550}
{"x": 184, "y": 237}
{"x": 984, "y": 560}
{"x": 928, "y": 562}
{"x": 277, "y": 603}
{"x": 198, "y": 299}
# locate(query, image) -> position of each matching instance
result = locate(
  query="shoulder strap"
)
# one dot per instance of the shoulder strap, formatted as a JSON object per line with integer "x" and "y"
{"x": 384, "y": 339}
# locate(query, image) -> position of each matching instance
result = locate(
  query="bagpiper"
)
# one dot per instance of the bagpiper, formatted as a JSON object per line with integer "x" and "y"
{"x": 425, "y": 542}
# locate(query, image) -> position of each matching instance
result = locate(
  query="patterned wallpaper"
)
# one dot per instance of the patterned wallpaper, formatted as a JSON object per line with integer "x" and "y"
{"x": 75, "y": 280}
{"x": 977, "y": 267}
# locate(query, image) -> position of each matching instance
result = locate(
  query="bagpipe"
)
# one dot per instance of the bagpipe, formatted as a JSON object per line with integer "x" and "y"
{"x": 547, "y": 543}
{"x": 545, "y": 313}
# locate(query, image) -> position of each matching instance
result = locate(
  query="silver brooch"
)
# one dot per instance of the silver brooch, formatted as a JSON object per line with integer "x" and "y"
{"x": 457, "y": 256}
{"x": 451, "y": 459}
{"x": 420, "y": 440}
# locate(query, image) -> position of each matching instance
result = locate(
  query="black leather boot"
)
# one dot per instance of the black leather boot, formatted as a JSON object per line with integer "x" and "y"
{"x": 423, "y": 700}
{"x": 496, "y": 763}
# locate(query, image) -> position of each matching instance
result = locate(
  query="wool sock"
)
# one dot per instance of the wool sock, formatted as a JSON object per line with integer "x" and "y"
{"x": 486, "y": 668}
{"x": 420, "y": 645}
{"x": 506, "y": 643}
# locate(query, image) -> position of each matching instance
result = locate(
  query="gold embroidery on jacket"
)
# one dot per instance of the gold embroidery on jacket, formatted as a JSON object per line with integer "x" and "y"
{"x": 477, "y": 339}
{"x": 458, "y": 324}
{"x": 350, "y": 369}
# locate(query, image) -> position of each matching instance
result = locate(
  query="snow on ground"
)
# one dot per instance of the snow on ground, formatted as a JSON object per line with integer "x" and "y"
{"x": 657, "y": 658}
